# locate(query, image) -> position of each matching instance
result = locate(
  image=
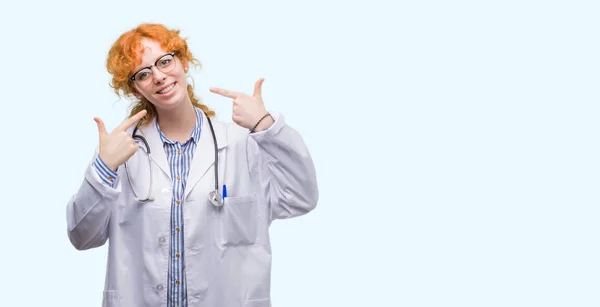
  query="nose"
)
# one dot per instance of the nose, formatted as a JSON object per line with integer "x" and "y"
{"x": 158, "y": 76}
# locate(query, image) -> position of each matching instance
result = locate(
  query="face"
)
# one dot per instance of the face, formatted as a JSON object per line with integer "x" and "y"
{"x": 164, "y": 84}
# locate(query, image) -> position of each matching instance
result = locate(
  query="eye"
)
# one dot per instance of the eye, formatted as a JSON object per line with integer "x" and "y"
{"x": 165, "y": 61}
{"x": 142, "y": 75}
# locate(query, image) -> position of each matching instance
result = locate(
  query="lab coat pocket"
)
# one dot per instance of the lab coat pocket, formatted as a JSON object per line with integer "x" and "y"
{"x": 110, "y": 299}
{"x": 238, "y": 222}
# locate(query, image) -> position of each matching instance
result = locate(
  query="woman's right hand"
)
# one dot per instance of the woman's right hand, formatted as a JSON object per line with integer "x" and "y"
{"x": 118, "y": 146}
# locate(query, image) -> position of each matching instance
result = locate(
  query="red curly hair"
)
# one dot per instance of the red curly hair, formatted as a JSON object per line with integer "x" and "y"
{"x": 123, "y": 57}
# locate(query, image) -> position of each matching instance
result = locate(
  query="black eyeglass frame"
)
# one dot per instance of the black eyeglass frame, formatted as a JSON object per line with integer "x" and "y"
{"x": 172, "y": 53}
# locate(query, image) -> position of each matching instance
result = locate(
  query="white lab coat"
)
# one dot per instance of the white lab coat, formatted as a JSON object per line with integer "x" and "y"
{"x": 269, "y": 175}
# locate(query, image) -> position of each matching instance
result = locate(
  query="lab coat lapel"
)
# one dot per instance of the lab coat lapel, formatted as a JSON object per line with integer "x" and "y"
{"x": 156, "y": 147}
{"x": 204, "y": 156}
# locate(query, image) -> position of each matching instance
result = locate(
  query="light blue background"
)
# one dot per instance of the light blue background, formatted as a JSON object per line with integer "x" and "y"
{"x": 455, "y": 143}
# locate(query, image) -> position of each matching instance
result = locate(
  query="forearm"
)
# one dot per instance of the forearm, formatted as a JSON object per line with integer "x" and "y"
{"x": 88, "y": 211}
{"x": 290, "y": 169}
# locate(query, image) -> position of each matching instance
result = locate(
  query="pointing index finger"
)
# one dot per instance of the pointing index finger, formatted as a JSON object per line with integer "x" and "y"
{"x": 132, "y": 120}
{"x": 224, "y": 92}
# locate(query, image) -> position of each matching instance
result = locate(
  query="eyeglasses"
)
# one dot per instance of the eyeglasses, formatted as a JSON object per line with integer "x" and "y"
{"x": 165, "y": 64}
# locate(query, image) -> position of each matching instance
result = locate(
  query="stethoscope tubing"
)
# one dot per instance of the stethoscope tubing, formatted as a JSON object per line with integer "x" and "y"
{"x": 214, "y": 197}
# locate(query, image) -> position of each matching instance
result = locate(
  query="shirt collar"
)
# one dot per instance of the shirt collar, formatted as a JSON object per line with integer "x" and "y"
{"x": 194, "y": 136}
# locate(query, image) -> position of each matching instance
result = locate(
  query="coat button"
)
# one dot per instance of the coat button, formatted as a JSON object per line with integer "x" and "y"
{"x": 159, "y": 287}
{"x": 162, "y": 240}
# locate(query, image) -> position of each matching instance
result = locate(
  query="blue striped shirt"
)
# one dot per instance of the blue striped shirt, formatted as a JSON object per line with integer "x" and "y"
{"x": 179, "y": 157}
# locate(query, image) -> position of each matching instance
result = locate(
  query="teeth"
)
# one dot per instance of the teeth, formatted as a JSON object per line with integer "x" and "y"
{"x": 167, "y": 89}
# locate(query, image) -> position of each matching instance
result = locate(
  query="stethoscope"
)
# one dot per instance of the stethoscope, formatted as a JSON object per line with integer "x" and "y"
{"x": 214, "y": 196}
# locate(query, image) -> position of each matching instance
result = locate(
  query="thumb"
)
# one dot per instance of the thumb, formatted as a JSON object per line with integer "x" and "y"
{"x": 258, "y": 88}
{"x": 101, "y": 128}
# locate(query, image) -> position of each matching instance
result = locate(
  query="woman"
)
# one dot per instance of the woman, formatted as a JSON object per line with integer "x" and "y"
{"x": 186, "y": 245}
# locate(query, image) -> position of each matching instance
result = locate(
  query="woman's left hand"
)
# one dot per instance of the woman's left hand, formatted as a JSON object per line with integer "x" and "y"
{"x": 247, "y": 110}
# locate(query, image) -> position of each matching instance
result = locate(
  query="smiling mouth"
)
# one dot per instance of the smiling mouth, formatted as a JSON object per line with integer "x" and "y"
{"x": 167, "y": 89}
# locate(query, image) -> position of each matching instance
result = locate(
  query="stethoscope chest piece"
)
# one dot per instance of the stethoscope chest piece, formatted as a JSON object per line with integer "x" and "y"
{"x": 215, "y": 199}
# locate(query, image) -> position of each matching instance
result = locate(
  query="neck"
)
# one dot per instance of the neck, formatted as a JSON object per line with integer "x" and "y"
{"x": 177, "y": 123}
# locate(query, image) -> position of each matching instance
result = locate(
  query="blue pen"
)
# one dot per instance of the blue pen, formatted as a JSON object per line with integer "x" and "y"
{"x": 224, "y": 191}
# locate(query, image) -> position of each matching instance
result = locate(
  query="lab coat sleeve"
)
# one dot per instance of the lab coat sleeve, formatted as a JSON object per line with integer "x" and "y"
{"x": 89, "y": 210}
{"x": 286, "y": 170}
